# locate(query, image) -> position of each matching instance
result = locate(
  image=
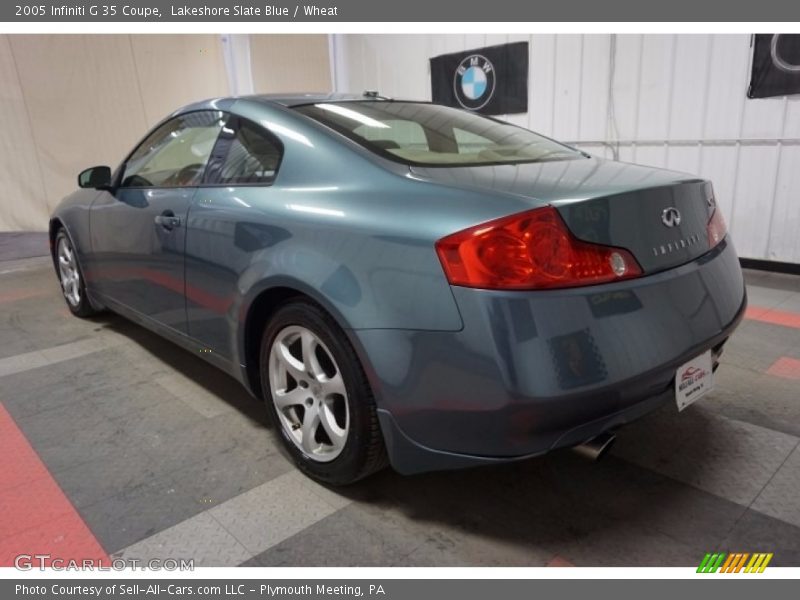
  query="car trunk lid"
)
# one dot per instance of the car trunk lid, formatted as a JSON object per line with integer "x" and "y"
{"x": 659, "y": 216}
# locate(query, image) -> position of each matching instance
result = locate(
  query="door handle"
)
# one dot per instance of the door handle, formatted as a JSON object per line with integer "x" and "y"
{"x": 168, "y": 220}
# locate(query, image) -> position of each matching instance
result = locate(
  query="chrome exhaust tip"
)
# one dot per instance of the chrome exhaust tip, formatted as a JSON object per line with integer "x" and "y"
{"x": 596, "y": 447}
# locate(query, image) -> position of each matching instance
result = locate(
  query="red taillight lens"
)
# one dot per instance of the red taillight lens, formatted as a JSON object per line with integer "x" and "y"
{"x": 530, "y": 250}
{"x": 716, "y": 228}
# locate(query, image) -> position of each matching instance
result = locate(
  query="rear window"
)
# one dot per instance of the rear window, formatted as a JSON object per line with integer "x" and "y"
{"x": 433, "y": 135}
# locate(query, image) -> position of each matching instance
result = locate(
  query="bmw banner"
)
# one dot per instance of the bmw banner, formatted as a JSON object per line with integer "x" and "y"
{"x": 492, "y": 80}
{"x": 776, "y": 65}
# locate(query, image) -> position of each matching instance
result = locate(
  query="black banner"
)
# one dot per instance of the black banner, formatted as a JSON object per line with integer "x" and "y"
{"x": 491, "y": 81}
{"x": 776, "y": 65}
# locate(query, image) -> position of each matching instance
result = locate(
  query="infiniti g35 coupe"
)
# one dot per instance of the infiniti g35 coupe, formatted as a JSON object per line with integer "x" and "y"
{"x": 405, "y": 282}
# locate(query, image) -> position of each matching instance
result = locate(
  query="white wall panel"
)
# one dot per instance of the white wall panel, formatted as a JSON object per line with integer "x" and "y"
{"x": 755, "y": 190}
{"x": 685, "y": 159}
{"x": 568, "y": 83}
{"x": 784, "y": 238}
{"x": 719, "y": 165}
{"x": 726, "y": 86}
{"x": 541, "y": 91}
{"x": 655, "y": 78}
{"x": 594, "y": 88}
{"x": 791, "y": 126}
{"x": 666, "y": 90}
{"x": 625, "y": 86}
{"x": 651, "y": 155}
{"x": 689, "y": 90}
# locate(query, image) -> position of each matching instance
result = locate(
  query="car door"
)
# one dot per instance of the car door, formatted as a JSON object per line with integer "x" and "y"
{"x": 227, "y": 226}
{"x": 138, "y": 231}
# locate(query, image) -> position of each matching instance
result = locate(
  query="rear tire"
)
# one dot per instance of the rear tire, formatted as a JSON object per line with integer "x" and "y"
{"x": 70, "y": 276}
{"x": 318, "y": 396}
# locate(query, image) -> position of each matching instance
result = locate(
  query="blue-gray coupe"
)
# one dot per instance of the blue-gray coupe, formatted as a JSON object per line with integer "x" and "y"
{"x": 407, "y": 283}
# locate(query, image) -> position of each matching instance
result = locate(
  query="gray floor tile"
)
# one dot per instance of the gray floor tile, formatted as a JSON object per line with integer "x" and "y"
{"x": 36, "y": 392}
{"x": 766, "y": 297}
{"x": 153, "y": 426}
{"x": 138, "y": 513}
{"x": 791, "y": 304}
{"x": 627, "y": 545}
{"x": 272, "y": 512}
{"x": 119, "y": 400}
{"x": 614, "y": 489}
{"x": 71, "y": 435}
{"x": 194, "y": 395}
{"x": 200, "y": 538}
{"x": 338, "y": 540}
{"x": 728, "y": 458}
{"x": 756, "y": 345}
{"x": 778, "y": 281}
{"x": 111, "y": 474}
{"x": 229, "y": 434}
{"x": 781, "y": 497}
{"x": 23, "y": 244}
{"x": 756, "y": 398}
{"x": 462, "y": 518}
{"x": 213, "y": 480}
{"x": 756, "y": 532}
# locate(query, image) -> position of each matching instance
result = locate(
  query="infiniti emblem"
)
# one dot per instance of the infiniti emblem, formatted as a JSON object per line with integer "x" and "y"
{"x": 671, "y": 217}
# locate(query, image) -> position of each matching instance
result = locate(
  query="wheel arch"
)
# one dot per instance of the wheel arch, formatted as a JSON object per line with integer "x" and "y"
{"x": 261, "y": 305}
{"x": 54, "y": 226}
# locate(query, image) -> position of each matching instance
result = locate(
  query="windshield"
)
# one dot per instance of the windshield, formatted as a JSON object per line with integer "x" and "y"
{"x": 433, "y": 135}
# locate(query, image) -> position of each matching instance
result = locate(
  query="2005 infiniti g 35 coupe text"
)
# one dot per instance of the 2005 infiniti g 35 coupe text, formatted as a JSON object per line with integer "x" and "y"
{"x": 407, "y": 282}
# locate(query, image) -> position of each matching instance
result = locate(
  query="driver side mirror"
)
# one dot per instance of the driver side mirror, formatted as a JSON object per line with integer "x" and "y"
{"x": 98, "y": 178}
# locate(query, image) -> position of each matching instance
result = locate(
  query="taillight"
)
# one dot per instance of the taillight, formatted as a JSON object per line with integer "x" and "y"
{"x": 716, "y": 228}
{"x": 530, "y": 250}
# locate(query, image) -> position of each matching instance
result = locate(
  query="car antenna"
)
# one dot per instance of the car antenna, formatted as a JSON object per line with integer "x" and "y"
{"x": 375, "y": 94}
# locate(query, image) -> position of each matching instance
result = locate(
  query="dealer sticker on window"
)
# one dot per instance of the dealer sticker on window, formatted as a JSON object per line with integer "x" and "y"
{"x": 693, "y": 380}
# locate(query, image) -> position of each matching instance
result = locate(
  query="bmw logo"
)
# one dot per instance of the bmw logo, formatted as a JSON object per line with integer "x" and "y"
{"x": 474, "y": 82}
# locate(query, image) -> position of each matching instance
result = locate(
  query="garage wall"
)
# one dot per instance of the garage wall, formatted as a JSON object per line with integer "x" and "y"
{"x": 290, "y": 63}
{"x": 73, "y": 101}
{"x": 674, "y": 101}
{"x": 69, "y": 102}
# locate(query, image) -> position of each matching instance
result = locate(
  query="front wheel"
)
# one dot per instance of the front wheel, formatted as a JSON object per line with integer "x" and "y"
{"x": 70, "y": 277}
{"x": 319, "y": 397}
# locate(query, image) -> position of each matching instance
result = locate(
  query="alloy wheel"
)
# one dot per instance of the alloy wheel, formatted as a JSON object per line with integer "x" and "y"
{"x": 68, "y": 272}
{"x": 309, "y": 393}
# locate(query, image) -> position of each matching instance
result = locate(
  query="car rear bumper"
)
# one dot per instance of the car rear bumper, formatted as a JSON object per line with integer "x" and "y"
{"x": 535, "y": 371}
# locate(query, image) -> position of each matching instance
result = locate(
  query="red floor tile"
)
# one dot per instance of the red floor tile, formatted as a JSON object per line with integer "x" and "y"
{"x": 784, "y": 318}
{"x": 31, "y": 504}
{"x": 36, "y": 516}
{"x": 16, "y": 295}
{"x": 788, "y": 368}
{"x": 557, "y": 561}
{"x": 66, "y": 538}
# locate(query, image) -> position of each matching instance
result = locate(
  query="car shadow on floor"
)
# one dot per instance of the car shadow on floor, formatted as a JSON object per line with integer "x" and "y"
{"x": 213, "y": 380}
{"x": 612, "y": 512}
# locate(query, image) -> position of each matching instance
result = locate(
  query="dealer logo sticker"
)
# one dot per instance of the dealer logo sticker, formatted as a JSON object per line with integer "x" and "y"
{"x": 694, "y": 379}
{"x": 474, "y": 82}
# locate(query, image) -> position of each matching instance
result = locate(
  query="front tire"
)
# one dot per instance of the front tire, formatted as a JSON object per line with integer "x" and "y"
{"x": 319, "y": 397}
{"x": 70, "y": 276}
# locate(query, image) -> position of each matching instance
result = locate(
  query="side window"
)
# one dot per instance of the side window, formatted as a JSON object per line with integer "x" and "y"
{"x": 392, "y": 134}
{"x": 253, "y": 156}
{"x": 176, "y": 153}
